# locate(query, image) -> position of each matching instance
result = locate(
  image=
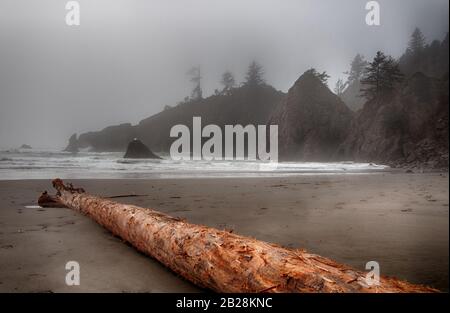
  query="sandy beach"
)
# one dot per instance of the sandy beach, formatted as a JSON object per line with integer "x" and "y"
{"x": 399, "y": 220}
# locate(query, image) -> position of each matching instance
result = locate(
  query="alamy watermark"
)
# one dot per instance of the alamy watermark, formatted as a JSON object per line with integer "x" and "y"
{"x": 73, "y": 13}
{"x": 73, "y": 274}
{"x": 239, "y": 142}
{"x": 372, "y": 16}
{"x": 373, "y": 276}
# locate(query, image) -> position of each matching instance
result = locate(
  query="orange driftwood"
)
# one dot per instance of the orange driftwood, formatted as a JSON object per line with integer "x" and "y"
{"x": 219, "y": 260}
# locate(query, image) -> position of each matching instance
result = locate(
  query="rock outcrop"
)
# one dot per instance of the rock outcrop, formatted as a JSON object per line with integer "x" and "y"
{"x": 110, "y": 139}
{"x": 312, "y": 121}
{"x": 137, "y": 150}
{"x": 244, "y": 105}
{"x": 73, "y": 144}
{"x": 410, "y": 128}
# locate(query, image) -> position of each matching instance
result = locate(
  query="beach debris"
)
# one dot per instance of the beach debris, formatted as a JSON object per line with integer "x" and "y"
{"x": 219, "y": 260}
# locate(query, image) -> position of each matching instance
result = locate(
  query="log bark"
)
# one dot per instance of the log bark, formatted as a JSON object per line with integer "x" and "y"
{"x": 219, "y": 260}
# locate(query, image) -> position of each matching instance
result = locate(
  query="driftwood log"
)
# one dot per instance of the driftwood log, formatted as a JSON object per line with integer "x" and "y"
{"x": 219, "y": 260}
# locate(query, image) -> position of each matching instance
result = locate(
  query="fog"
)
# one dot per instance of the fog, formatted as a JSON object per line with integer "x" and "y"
{"x": 129, "y": 58}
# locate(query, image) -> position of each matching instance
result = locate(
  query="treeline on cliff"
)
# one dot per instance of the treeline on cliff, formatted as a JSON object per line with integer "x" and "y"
{"x": 387, "y": 110}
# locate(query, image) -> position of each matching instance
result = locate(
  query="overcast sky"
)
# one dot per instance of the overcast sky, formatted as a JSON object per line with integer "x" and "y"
{"x": 128, "y": 58}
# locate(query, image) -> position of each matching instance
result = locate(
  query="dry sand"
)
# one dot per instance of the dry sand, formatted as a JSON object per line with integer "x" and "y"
{"x": 399, "y": 220}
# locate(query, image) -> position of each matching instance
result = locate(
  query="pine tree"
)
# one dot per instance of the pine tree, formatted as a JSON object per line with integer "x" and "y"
{"x": 357, "y": 68}
{"x": 197, "y": 93}
{"x": 254, "y": 75}
{"x": 228, "y": 82}
{"x": 381, "y": 76}
{"x": 323, "y": 77}
{"x": 417, "y": 42}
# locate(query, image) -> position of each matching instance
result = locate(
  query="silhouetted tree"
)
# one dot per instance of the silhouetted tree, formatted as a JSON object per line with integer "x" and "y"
{"x": 417, "y": 42}
{"x": 228, "y": 82}
{"x": 357, "y": 68}
{"x": 381, "y": 76}
{"x": 340, "y": 87}
{"x": 415, "y": 53}
{"x": 323, "y": 77}
{"x": 254, "y": 75}
{"x": 430, "y": 59}
{"x": 196, "y": 78}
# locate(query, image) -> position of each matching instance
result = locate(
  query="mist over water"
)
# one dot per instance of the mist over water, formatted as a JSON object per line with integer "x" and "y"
{"x": 128, "y": 58}
{"x": 48, "y": 164}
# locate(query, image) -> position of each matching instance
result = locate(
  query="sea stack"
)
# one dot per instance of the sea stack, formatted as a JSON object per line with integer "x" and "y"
{"x": 73, "y": 144}
{"x": 137, "y": 150}
{"x": 312, "y": 121}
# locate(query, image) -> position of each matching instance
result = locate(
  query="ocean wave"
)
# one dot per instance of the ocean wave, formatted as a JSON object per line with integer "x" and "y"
{"x": 48, "y": 164}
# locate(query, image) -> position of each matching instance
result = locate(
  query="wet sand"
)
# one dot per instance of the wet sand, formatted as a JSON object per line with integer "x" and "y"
{"x": 399, "y": 220}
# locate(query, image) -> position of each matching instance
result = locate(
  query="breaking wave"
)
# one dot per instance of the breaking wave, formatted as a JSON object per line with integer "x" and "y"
{"x": 50, "y": 164}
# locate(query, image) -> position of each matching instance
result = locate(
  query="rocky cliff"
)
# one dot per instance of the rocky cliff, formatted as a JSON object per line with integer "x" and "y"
{"x": 244, "y": 105}
{"x": 312, "y": 121}
{"x": 409, "y": 128}
{"x": 72, "y": 145}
